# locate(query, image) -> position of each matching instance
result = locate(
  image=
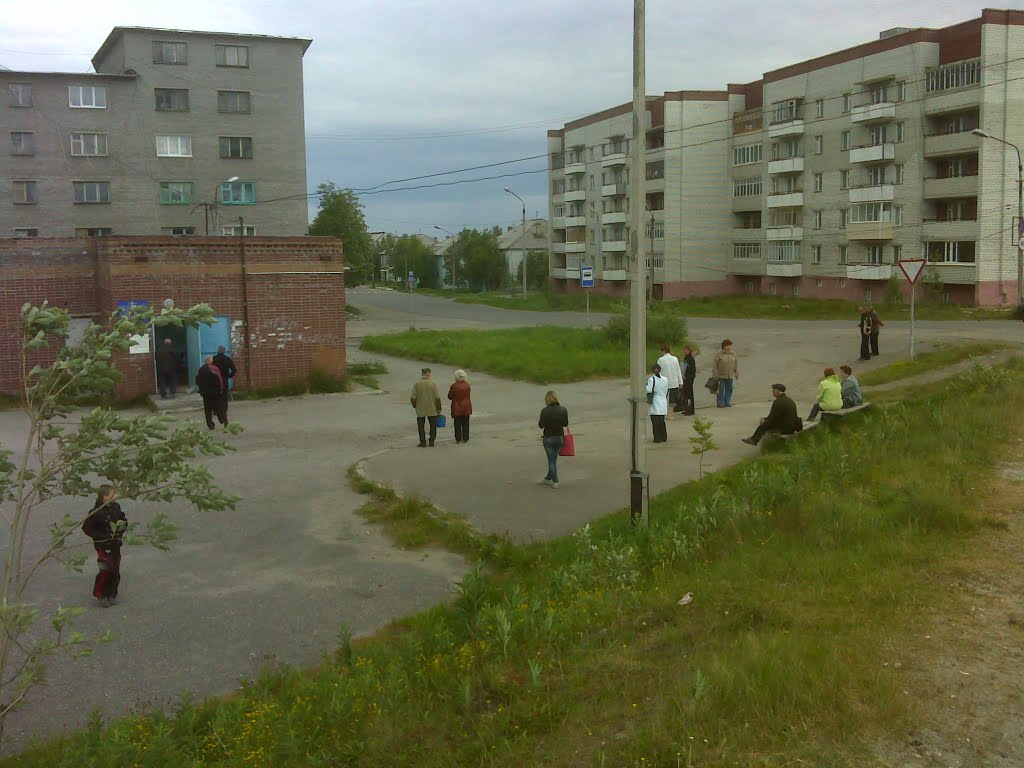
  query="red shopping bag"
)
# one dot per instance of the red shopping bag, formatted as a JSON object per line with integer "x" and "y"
{"x": 568, "y": 445}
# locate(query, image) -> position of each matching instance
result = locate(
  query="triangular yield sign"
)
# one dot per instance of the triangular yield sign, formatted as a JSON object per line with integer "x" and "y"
{"x": 912, "y": 268}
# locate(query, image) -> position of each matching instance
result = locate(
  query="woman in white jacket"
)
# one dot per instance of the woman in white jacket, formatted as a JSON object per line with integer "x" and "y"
{"x": 657, "y": 403}
{"x": 670, "y": 369}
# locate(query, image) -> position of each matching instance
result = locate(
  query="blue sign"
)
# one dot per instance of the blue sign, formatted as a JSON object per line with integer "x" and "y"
{"x": 587, "y": 277}
{"x": 124, "y": 307}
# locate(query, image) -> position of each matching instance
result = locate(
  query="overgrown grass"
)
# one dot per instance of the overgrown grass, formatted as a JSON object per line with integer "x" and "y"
{"x": 942, "y": 356}
{"x": 352, "y": 309}
{"x": 542, "y": 355}
{"x": 367, "y": 373}
{"x": 811, "y": 570}
{"x": 317, "y": 383}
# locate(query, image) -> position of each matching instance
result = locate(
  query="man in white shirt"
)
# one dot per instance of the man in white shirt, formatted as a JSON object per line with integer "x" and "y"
{"x": 670, "y": 370}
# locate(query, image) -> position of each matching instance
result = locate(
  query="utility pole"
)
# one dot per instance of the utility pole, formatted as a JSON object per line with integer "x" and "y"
{"x": 455, "y": 278}
{"x": 522, "y": 238}
{"x": 638, "y": 477}
{"x": 1020, "y": 216}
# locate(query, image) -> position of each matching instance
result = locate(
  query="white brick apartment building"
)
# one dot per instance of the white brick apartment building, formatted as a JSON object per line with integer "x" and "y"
{"x": 815, "y": 179}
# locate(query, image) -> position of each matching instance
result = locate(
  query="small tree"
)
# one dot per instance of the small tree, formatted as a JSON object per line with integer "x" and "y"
{"x": 702, "y": 442}
{"x": 536, "y": 270}
{"x": 341, "y": 215}
{"x": 142, "y": 457}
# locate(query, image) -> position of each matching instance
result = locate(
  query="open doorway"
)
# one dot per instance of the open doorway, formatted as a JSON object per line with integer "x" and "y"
{"x": 191, "y": 345}
{"x": 179, "y": 343}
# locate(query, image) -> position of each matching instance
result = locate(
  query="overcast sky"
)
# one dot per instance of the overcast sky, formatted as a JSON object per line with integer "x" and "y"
{"x": 403, "y": 88}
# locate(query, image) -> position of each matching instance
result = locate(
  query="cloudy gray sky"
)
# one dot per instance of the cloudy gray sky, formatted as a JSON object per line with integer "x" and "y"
{"x": 403, "y": 88}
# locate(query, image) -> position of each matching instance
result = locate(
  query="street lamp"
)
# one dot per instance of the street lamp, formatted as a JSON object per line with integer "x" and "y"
{"x": 455, "y": 280}
{"x": 207, "y": 206}
{"x": 1020, "y": 214}
{"x": 522, "y": 241}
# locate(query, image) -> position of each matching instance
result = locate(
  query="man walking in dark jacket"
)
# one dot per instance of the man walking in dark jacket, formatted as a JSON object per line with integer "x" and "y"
{"x": 876, "y": 328}
{"x": 781, "y": 418}
{"x": 865, "y": 333}
{"x": 212, "y": 386}
{"x": 167, "y": 369}
{"x": 225, "y": 363}
{"x": 686, "y": 404}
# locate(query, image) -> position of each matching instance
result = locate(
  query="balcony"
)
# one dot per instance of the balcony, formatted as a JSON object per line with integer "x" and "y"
{"x": 613, "y": 190}
{"x": 868, "y": 271}
{"x": 876, "y": 153}
{"x": 786, "y": 200}
{"x": 950, "y": 230}
{"x": 576, "y": 166}
{"x": 614, "y": 217}
{"x": 573, "y": 195}
{"x": 789, "y": 165}
{"x": 872, "y": 193}
{"x": 747, "y": 203}
{"x": 575, "y": 221}
{"x": 959, "y": 274}
{"x": 873, "y": 113}
{"x": 747, "y": 233}
{"x": 614, "y": 275}
{"x": 788, "y": 268}
{"x": 614, "y": 159}
{"x": 869, "y": 230}
{"x": 793, "y": 127}
{"x": 952, "y": 87}
{"x": 956, "y": 186}
{"x": 557, "y": 272}
{"x": 558, "y": 222}
{"x": 956, "y": 101}
{"x": 787, "y": 232}
{"x": 576, "y": 247}
{"x": 558, "y": 247}
{"x": 614, "y": 246}
{"x": 951, "y": 144}
{"x": 746, "y": 266}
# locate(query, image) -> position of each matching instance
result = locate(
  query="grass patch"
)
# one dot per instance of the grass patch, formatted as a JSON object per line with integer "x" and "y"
{"x": 317, "y": 383}
{"x": 352, "y": 309}
{"x": 944, "y": 355}
{"x": 811, "y": 570}
{"x": 367, "y": 373}
{"x": 542, "y": 354}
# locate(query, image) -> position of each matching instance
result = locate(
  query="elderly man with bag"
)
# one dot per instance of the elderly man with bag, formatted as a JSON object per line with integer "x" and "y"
{"x": 426, "y": 399}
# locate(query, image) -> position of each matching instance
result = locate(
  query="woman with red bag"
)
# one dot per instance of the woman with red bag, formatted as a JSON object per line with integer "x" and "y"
{"x": 553, "y": 420}
{"x": 462, "y": 406}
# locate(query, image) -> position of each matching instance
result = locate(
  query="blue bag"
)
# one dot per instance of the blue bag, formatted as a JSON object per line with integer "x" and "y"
{"x": 441, "y": 420}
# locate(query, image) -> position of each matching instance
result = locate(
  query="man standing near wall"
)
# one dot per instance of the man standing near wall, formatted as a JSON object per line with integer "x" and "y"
{"x": 213, "y": 387}
{"x": 167, "y": 369}
{"x": 225, "y": 363}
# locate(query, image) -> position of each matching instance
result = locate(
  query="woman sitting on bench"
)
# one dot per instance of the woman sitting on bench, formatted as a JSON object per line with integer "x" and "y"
{"x": 852, "y": 395}
{"x": 830, "y": 395}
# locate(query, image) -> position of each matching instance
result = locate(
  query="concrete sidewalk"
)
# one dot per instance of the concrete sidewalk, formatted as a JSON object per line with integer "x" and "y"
{"x": 494, "y": 479}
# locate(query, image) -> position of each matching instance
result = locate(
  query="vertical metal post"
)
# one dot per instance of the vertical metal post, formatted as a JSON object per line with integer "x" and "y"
{"x": 1020, "y": 234}
{"x": 245, "y": 304}
{"x": 638, "y": 286}
{"x": 522, "y": 249}
{"x": 913, "y": 294}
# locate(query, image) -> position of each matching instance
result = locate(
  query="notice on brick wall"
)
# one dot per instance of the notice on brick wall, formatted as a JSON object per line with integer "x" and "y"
{"x": 140, "y": 344}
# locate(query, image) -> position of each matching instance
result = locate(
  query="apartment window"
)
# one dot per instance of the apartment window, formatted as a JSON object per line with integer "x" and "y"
{"x": 819, "y": 144}
{"x": 900, "y": 131}
{"x": 772, "y": 289}
{"x": 784, "y": 111}
{"x": 879, "y": 94}
{"x": 844, "y": 179}
{"x": 959, "y": 74}
{"x": 746, "y": 187}
{"x": 171, "y": 99}
{"x": 842, "y": 283}
{"x": 844, "y": 139}
{"x": 950, "y": 252}
{"x": 170, "y": 53}
{"x": 819, "y": 182}
{"x": 819, "y": 107}
{"x": 236, "y": 231}
{"x": 844, "y": 217}
{"x": 232, "y": 55}
{"x": 234, "y": 101}
{"x": 878, "y": 134}
{"x": 897, "y": 215}
{"x": 23, "y": 232}
{"x": 176, "y": 192}
{"x": 87, "y": 97}
{"x": 94, "y": 231}
{"x": 875, "y": 254}
{"x": 846, "y": 103}
{"x": 819, "y": 283}
{"x": 24, "y": 192}
{"x": 897, "y": 253}
{"x": 746, "y": 250}
{"x": 88, "y": 144}
{"x": 238, "y": 193}
{"x": 816, "y": 254}
{"x": 92, "y": 192}
{"x": 869, "y": 295}
{"x": 817, "y": 219}
{"x": 842, "y": 260}
{"x": 870, "y": 212}
{"x": 784, "y": 250}
{"x": 876, "y": 174}
{"x": 749, "y": 153}
{"x": 23, "y": 143}
{"x": 177, "y": 231}
{"x": 796, "y": 289}
{"x": 558, "y": 187}
{"x": 901, "y": 90}
{"x": 899, "y": 173}
{"x": 19, "y": 95}
{"x": 240, "y": 148}
{"x": 174, "y": 146}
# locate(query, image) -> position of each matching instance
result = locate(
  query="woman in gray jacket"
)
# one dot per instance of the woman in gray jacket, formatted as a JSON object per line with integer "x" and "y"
{"x": 851, "y": 387}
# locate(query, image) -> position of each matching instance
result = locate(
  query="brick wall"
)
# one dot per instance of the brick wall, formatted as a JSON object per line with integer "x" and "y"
{"x": 295, "y": 289}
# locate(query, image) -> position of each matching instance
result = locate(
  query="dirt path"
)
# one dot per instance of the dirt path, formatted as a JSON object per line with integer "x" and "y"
{"x": 993, "y": 358}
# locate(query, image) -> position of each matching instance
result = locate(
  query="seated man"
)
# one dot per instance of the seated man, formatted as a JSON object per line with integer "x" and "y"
{"x": 781, "y": 418}
{"x": 852, "y": 395}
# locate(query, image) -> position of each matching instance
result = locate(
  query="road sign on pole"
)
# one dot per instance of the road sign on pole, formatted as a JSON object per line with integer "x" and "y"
{"x": 587, "y": 277}
{"x": 912, "y": 269}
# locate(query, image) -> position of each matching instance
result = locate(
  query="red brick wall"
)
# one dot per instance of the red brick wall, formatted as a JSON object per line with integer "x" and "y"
{"x": 295, "y": 287}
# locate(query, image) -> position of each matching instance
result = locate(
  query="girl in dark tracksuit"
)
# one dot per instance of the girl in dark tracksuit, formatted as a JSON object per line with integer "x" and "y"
{"x": 106, "y": 525}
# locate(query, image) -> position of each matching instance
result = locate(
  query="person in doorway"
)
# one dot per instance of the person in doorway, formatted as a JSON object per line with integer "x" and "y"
{"x": 865, "y": 333}
{"x": 850, "y": 387}
{"x": 686, "y": 404}
{"x": 781, "y": 418}
{"x": 214, "y": 390}
{"x": 167, "y": 369}
{"x": 830, "y": 394}
{"x": 876, "y": 328}
{"x": 105, "y": 525}
{"x": 225, "y": 363}
{"x": 726, "y": 370}
{"x": 670, "y": 367}
{"x": 554, "y": 419}
{"x": 657, "y": 403}
{"x": 426, "y": 399}
{"x": 462, "y": 407}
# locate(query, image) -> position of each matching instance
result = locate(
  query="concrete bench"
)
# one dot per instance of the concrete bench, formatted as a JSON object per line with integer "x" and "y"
{"x": 822, "y": 417}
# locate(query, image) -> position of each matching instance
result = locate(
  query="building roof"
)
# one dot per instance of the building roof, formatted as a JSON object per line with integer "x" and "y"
{"x": 117, "y": 32}
{"x": 533, "y": 238}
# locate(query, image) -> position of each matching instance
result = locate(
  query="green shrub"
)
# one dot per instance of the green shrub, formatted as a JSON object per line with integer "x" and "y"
{"x": 662, "y": 327}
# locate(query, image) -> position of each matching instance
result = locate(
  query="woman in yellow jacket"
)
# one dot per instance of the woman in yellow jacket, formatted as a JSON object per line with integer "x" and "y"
{"x": 830, "y": 395}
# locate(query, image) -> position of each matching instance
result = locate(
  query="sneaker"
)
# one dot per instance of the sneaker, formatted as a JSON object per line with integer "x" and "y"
{"x": 421, "y": 445}
{"x": 104, "y": 602}
{"x": 748, "y": 441}
{"x": 554, "y": 484}
{"x": 545, "y": 481}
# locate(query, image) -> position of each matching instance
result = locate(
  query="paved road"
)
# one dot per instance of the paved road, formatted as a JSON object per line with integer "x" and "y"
{"x": 283, "y": 573}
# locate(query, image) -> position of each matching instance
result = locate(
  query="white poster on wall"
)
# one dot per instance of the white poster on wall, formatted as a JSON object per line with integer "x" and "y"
{"x": 140, "y": 344}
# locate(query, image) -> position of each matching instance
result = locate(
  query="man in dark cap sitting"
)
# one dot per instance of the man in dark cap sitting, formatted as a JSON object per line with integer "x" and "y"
{"x": 781, "y": 418}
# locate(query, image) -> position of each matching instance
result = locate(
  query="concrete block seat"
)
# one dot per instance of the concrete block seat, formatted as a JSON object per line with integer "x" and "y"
{"x": 823, "y": 417}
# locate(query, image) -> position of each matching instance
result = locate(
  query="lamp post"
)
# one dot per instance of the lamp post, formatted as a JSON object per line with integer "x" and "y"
{"x": 455, "y": 279}
{"x": 522, "y": 241}
{"x": 1020, "y": 215}
{"x": 208, "y": 205}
